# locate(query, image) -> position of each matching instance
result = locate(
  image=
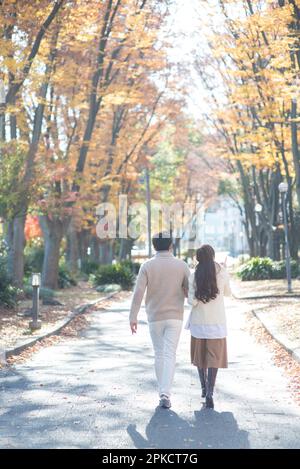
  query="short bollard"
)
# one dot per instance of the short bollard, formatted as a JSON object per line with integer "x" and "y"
{"x": 35, "y": 282}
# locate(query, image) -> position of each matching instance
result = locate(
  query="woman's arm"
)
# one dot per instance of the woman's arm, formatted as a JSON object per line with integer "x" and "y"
{"x": 191, "y": 295}
{"x": 227, "y": 289}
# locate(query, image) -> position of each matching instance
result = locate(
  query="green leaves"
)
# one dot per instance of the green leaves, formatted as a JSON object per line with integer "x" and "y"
{"x": 264, "y": 268}
{"x": 11, "y": 169}
{"x": 8, "y": 293}
{"x": 114, "y": 274}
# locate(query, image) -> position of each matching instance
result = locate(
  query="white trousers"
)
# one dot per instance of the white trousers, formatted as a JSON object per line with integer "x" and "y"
{"x": 165, "y": 337}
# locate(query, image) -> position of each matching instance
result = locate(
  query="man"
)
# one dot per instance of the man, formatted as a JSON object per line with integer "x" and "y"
{"x": 166, "y": 281}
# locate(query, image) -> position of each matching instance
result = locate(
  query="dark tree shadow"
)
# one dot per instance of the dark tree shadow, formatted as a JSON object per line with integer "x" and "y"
{"x": 210, "y": 429}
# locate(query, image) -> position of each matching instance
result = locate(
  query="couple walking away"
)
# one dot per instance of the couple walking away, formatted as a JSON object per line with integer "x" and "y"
{"x": 168, "y": 281}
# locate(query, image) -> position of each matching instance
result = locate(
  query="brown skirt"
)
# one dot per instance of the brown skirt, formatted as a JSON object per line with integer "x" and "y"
{"x": 209, "y": 353}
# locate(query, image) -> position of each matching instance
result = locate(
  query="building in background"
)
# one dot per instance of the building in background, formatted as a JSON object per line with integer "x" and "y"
{"x": 222, "y": 227}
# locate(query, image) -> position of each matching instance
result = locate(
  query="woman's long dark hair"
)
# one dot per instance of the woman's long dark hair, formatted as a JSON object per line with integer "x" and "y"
{"x": 205, "y": 274}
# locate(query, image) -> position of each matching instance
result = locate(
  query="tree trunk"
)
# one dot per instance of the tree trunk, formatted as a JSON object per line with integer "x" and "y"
{"x": 295, "y": 148}
{"x": 106, "y": 252}
{"x": 176, "y": 247}
{"x": 9, "y": 233}
{"x": 72, "y": 249}
{"x": 270, "y": 246}
{"x": 84, "y": 241}
{"x": 293, "y": 231}
{"x": 263, "y": 242}
{"x": 53, "y": 231}
{"x": 95, "y": 251}
{"x": 251, "y": 244}
{"x": 274, "y": 246}
{"x": 95, "y": 99}
{"x": 125, "y": 249}
{"x": 2, "y": 124}
{"x": 250, "y": 219}
{"x": 16, "y": 243}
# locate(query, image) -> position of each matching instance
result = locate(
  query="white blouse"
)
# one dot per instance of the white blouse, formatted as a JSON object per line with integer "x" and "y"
{"x": 208, "y": 320}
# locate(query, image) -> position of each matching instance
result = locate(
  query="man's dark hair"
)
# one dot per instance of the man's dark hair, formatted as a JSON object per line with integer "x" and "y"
{"x": 162, "y": 241}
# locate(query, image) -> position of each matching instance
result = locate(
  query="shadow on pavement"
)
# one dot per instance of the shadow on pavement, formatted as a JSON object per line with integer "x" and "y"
{"x": 210, "y": 429}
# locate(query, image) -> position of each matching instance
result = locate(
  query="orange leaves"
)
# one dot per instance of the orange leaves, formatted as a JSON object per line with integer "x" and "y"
{"x": 123, "y": 97}
{"x": 32, "y": 227}
{"x": 58, "y": 173}
{"x": 120, "y": 66}
{"x": 251, "y": 54}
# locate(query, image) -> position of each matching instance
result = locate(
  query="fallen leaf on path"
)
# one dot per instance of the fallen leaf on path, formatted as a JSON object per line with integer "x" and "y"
{"x": 280, "y": 356}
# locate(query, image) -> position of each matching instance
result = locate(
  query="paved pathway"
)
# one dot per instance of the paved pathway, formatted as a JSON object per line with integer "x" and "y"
{"x": 99, "y": 392}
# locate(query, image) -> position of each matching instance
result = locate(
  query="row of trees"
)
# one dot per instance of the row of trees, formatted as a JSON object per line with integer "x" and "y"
{"x": 89, "y": 98}
{"x": 249, "y": 64}
{"x": 86, "y": 93}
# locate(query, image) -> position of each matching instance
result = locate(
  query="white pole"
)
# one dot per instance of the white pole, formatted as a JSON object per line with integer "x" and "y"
{"x": 148, "y": 196}
{"x": 2, "y": 105}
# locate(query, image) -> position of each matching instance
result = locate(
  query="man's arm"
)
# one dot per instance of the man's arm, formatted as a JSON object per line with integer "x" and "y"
{"x": 139, "y": 290}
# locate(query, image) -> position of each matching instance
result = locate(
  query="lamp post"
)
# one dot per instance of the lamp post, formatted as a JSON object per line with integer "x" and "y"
{"x": 283, "y": 189}
{"x": 148, "y": 198}
{"x": 242, "y": 243}
{"x": 232, "y": 241}
{"x": 2, "y": 106}
{"x": 35, "y": 282}
{"x": 258, "y": 209}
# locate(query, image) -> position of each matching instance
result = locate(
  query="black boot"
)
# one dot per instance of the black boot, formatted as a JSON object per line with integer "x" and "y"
{"x": 211, "y": 379}
{"x": 202, "y": 376}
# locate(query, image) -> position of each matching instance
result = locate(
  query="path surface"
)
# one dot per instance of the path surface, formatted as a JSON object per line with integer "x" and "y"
{"x": 99, "y": 392}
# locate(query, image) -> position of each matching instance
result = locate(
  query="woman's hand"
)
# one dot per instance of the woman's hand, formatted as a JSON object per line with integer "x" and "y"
{"x": 133, "y": 327}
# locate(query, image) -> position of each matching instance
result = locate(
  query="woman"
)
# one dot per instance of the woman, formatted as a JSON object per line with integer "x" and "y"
{"x": 207, "y": 321}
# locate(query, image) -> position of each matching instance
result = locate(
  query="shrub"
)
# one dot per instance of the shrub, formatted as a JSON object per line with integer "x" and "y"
{"x": 116, "y": 273}
{"x": 65, "y": 277}
{"x": 8, "y": 296}
{"x": 257, "y": 268}
{"x": 8, "y": 293}
{"x": 133, "y": 266}
{"x": 44, "y": 292}
{"x": 89, "y": 267}
{"x": 264, "y": 268}
{"x": 34, "y": 256}
{"x": 279, "y": 269}
{"x": 3, "y": 249}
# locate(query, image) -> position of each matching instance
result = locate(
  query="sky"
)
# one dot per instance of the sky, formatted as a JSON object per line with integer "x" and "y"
{"x": 190, "y": 25}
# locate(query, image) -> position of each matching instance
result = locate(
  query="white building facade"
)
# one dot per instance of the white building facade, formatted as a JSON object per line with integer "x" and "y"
{"x": 220, "y": 225}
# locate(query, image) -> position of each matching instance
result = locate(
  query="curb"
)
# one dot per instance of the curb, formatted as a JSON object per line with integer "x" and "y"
{"x": 293, "y": 351}
{"x": 57, "y": 328}
{"x": 262, "y": 297}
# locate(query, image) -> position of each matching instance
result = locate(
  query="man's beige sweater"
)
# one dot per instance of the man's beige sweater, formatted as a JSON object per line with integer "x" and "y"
{"x": 164, "y": 277}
